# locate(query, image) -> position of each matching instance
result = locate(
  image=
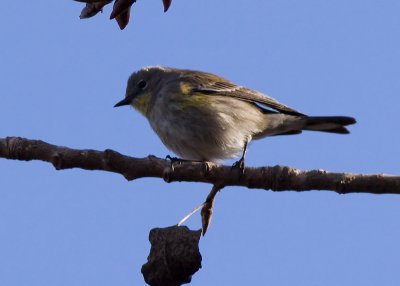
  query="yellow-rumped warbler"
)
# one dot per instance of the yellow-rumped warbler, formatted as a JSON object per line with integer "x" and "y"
{"x": 201, "y": 116}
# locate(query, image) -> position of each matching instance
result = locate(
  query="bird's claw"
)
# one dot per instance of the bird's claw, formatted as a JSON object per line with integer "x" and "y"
{"x": 174, "y": 160}
{"x": 239, "y": 165}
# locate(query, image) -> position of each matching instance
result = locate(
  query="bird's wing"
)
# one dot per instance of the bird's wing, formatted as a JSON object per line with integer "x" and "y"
{"x": 222, "y": 87}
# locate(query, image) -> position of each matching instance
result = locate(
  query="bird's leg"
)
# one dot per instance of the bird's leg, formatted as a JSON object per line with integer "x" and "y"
{"x": 240, "y": 164}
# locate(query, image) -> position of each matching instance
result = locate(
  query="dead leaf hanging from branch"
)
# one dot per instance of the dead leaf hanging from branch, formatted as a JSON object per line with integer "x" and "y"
{"x": 121, "y": 9}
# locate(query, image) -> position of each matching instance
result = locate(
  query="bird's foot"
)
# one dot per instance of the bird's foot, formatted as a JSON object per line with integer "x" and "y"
{"x": 175, "y": 161}
{"x": 239, "y": 165}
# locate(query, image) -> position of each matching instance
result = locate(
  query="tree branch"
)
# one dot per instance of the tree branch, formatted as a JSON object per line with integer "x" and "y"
{"x": 277, "y": 178}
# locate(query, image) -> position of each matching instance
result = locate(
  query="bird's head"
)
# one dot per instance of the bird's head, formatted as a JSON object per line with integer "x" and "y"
{"x": 142, "y": 87}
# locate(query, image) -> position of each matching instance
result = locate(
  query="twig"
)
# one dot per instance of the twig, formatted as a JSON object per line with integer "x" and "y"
{"x": 207, "y": 210}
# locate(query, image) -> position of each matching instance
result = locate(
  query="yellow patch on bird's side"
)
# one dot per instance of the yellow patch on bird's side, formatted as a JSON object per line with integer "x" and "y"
{"x": 141, "y": 103}
{"x": 186, "y": 89}
{"x": 190, "y": 99}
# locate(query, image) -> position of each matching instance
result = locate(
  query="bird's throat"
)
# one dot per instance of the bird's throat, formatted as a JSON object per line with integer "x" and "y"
{"x": 142, "y": 104}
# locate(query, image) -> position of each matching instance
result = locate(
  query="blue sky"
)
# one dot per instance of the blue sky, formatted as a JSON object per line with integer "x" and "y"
{"x": 61, "y": 76}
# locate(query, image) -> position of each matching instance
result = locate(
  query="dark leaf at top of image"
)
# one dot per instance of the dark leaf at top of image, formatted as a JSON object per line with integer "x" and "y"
{"x": 121, "y": 9}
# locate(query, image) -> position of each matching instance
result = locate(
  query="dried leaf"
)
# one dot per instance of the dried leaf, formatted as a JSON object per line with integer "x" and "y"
{"x": 120, "y": 6}
{"x": 123, "y": 18}
{"x": 89, "y": 1}
{"x": 92, "y": 9}
{"x": 121, "y": 9}
{"x": 167, "y": 3}
{"x": 174, "y": 256}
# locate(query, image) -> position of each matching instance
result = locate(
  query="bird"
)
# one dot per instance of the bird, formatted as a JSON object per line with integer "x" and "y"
{"x": 201, "y": 116}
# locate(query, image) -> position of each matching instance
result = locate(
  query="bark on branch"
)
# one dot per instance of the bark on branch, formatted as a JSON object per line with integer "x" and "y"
{"x": 277, "y": 178}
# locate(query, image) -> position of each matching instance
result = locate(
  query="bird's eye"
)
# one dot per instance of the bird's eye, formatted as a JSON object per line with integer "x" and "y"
{"x": 142, "y": 84}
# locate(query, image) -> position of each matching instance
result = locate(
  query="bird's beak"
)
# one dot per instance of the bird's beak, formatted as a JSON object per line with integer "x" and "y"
{"x": 125, "y": 101}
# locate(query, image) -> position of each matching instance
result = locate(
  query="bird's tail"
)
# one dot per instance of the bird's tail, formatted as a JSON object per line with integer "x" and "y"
{"x": 332, "y": 124}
